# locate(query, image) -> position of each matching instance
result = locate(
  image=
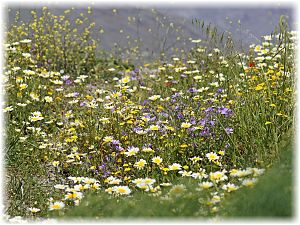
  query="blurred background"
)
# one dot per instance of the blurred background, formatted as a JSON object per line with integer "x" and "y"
{"x": 168, "y": 31}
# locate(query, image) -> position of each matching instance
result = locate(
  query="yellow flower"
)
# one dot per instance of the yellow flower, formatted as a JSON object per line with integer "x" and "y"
{"x": 148, "y": 150}
{"x": 34, "y": 210}
{"x": 104, "y": 120}
{"x": 212, "y": 156}
{"x": 36, "y": 116}
{"x": 249, "y": 182}
{"x": 170, "y": 128}
{"x": 109, "y": 190}
{"x": 56, "y": 205}
{"x": 108, "y": 139}
{"x": 197, "y": 77}
{"x": 206, "y": 185}
{"x": 175, "y": 166}
{"x": 230, "y": 187}
{"x": 140, "y": 164}
{"x": 23, "y": 86}
{"x": 48, "y": 99}
{"x": 177, "y": 189}
{"x": 34, "y": 96}
{"x": 183, "y": 146}
{"x": 73, "y": 195}
{"x": 19, "y": 79}
{"x": 217, "y": 176}
{"x": 26, "y": 55}
{"x": 55, "y": 163}
{"x": 125, "y": 80}
{"x": 132, "y": 151}
{"x": 154, "y": 127}
{"x": 221, "y": 152}
{"x": 157, "y": 160}
{"x": 195, "y": 159}
{"x": 122, "y": 190}
{"x": 116, "y": 94}
{"x": 8, "y": 109}
{"x": 234, "y": 172}
{"x": 186, "y": 125}
{"x": 257, "y": 48}
{"x": 260, "y": 86}
{"x": 185, "y": 167}
{"x": 154, "y": 97}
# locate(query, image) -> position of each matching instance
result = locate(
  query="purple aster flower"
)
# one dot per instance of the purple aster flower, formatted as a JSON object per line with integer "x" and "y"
{"x": 69, "y": 82}
{"x": 212, "y": 122}
{"x": 224, "y": 111}
{"x": 153, "y": 118}
{"x": 91, "y": 86}
{"x": 102, "y": 167}
{"x": 133, "y": 77}
{"x": 209, "y": 109}
{"x": 219, "y": 90}
{"x": 228, "y": 130}
{"x": 205, "y": 131}
{"x": 191, "y": 129}
{"x": 145, "y": 102}
{"x": 83, "y": 103}
{"x": 65, "y": 77}
{"x": 119, "y": 148}
{"x": 164, "y": 114}
{"x": 175, "y": 95}
{"x": 203, "y": 122}
{"x": 180, "y": 115}
{"x": 177, "y": 107}
{"x": 106, "y": 174}
{"x": 136, "y": 129}
{"x": 192, "y": 90}
{"x": 209, "y": 102}
{"x": 115, "y": 142}
{"x": 193, "y": 121}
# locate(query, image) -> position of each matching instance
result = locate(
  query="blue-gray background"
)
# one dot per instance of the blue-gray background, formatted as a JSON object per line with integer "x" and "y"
{"x": 158, "y": 29}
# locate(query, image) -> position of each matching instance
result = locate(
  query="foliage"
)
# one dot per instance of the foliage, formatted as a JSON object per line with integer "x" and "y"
{"x": 272, "y": 196}
{"x": 84, "y": 124}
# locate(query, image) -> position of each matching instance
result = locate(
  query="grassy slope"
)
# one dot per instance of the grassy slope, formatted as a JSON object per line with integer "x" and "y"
{"x": 273, "y": 194}
{"x": 271, "y": 197}
{"x": 140, "y": 205}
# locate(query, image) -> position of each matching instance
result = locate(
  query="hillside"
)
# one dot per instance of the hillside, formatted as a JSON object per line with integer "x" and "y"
{"x": 169, "y": 29}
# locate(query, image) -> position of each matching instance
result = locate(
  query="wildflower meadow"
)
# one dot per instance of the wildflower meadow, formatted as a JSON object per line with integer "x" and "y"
{"x": 201, "y": 133}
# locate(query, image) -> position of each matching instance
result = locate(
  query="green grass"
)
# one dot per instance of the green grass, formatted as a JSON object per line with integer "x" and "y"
{"x": 189, "y": 203}
{"x": 273, "y": 195}
{"x": 209, "y": 114}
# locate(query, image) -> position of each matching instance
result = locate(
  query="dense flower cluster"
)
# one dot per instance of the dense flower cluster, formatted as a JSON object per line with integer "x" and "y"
{"x": 143, "y": 128}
